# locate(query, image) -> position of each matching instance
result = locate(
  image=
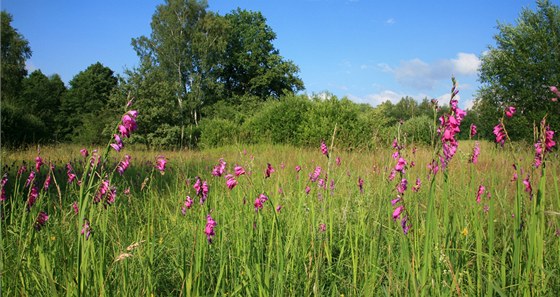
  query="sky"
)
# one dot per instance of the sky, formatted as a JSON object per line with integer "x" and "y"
{"x": 369, "y": 51}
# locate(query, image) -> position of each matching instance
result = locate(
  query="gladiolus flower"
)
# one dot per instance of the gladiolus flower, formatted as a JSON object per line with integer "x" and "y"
{"x": 397, "y": 212}
{"x": 475, "y": 153}
{"x": 231, "y": 181}
{"x": 160, "y": 164}
{"x": 32, "y": 197}
{"x": 528, "y": 187}
{"x": 41, "y": 220}
{"x": 3, "y": 184}
{"x": 417, "y": 185}
{"x": 401, "y": 187}
{"x": 473, "y": 130}
{"x": 298, "y": 168}
{"x": 38, "y": 163}
{"x": 401, "y": 164}
{"x": 239, "y": 170}
{"x": 481, "y": 190}
{"x": 86, "y": 229}
{"x": 315, "y": 174}
{"x": 209, "y": 229}
{"x": 324, "y": 149}
{"x": 338, "y": 161}
{"x": 361, "y": 184}
{"x": 278, "y": 208}
{"x": 404, "y": 225}
{"x": 269, "y": 170}
{"x": 123, "y": 165}
{"x": 201, "y": 189}
{"x": 322, "y": 227}
{"x": 75, "y": 207}
{"x": 187, "y": 205}
{"x": 500, "y": 134}
{"x": 219, "y": 169}
{"x": 21, "y": 170}
{"x": 84, "y": 152}
{"x": 47, "y": 182}
{"x": 510, "y": 111}
{"x": 307, "y": 190}
{"x": 30, "y": 179}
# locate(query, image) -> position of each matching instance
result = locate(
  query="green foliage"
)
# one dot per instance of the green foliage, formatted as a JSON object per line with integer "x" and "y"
{"x": 525, "y": 61}
{"x": 15, "y": 50}
{"x": 20, "y": 127}
{"x": 218, "y": 132}
{"x": 418, "y": 129}
{"x": 83, "y": 106}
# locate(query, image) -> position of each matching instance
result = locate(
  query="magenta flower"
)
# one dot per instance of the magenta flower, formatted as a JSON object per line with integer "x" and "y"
{"x": 21, "y": 170}
{"x": 322, "y": 227}
{"x": 405, "y": 225}
{"x": 324, "y": 148}
{"x": 397, "y": 212}
{"x": 260, "y": 201}
{"x": 473, "y": 130}
{"x": 111, "y": 195}
{"x": 75, "y": 207}
{"x": 269, "y": 170}
{"x": 231, "y": 182}
{"x": 123, "y": 165}
{"x": 500, "y": 134}
{"x": 481, "y": 190}
{"x": 84, "y": 152}
{"x": 47, "y": 182}
{"x": 160, "y": 164}
{"x": 548, "y": 140}
{"x": 510, "y": 111}
{"x": 201, "y": 189}
{"x": 102, "y": 191}
{"x": 32, "y": 197}
{"x": 239, "y": 170}
{"x": 528, "y": 187}
{"x": 338, "y": 161}
{"x": 401, "y": 187}
{"x": 86, "y": 229}
{"x": 434, "y": 167}
{"x": 475, "y": 153}
{"x": 187, "y": 205}
{"x": 41, "y": 220}
{"x": 209, "y": 229}
{"x": 219, "y": 169}
{"x": 3, "y": 184}
{"x": 307, "y": 190}
{"x": 315, "y": 174}
{"x": 38, "y": 163}
{"x": 278, "y": 208}
{"x": 30, "y": 179}
{"x": 401, "y": 164}
{"x": 298, "y": 168}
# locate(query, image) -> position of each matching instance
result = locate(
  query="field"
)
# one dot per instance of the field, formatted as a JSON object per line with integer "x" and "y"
{"x": 315, "y": 233}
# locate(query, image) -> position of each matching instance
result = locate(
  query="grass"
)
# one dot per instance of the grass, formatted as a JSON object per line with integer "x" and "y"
{"x": 142, "y": 244}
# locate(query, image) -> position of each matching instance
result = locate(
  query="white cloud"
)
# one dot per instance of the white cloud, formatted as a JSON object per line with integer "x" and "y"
{"x": 390, "y": 21}
{"x": 385, "y": 95}
{"x": 418, "y": 74}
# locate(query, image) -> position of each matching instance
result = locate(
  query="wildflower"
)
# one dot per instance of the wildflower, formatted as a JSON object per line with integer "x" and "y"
{"x": 361, "y": 184}
{"x": 41, "y": 220}
{"x": 84, "y": 152}
{"x": 321, "y": 183}
{"x": 396, "y": 200}
{"x": 32, "y": 197}
{"x": 126, "y": 191}
{"x": 129, "y": 120}
{"x": 392, "y": 175}
{"x": 401, "y": 187}
{"x": 397, "y": 212}
{"x": 481, "y": 190}
{"x": 123, "y": 165}
{"x": 86, "y": 229}
{"x": 111, "y": 195}
{"x": 395, "y": 155}
{"x": 278, "y": 208}
{"x": 102, "y": 191}
{"x": 209, "y": 229}
{"x": 38, "y": 163}
{"x": 510, "y": 111}
{"x": 47, "y": 182}
{"x": 434, "y": 167}
{"x": 21, "y": 170}
{"x": 118, "y": 145}
{"x": 219, "y": 169}
{"x": 30, "y": 179}
{"x": 500, "y": 134}
{"x": 307, "y": 190}
{"x": 401, "y": 164}
{"x": 416, "y": 187}
{"x": 298, "y": 168}
{"x": 472, "y": 130}
{"x": 160, "y": 164}
{"x": 548, "y": 140}
{"x": 201, "y": 189}
{"x": 322, "y": 227}
{"x": 187, "y": 205}
{"x": 528, "y": 187}
{"x": 465, "y": 232}
{"x": 269, "y": 170}
{"x": 315, "y": 174}
{"x": 475, "y": 153}
{"x": 231, "y": 181}
{"x": 239, "y": 170}
{"x": 324, "y": 148}
{"x": 260, "y": 201}
{"x": 75, "y": 207}
{"x": 332, "y": 185}
{"x": 405, "y": 225}
{"x": 338, "y": 161}
{"x": 3, "y": 184}
{"x": 514, "y": 177}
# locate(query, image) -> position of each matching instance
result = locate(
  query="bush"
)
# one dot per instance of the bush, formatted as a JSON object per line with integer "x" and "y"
{"x": 418, "y": 129}
{"x": 218, "y": 132}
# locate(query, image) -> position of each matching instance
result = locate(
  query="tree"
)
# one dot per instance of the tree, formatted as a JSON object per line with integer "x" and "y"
{"x": 41, "y": 96}
{"x": 84, "y": 105}
{"x": 252, "y": 65}
{"x": 518, "y": 71}
{"x": 15, "y": 51}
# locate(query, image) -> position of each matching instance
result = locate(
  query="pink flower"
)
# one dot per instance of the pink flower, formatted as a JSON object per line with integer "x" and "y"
{"x": 397, "y": 212}
{"x": 322, "y": 227}
{"x": 3, "y": 184}
{"x": 231, "y": 182}
{"x": 123, "y": 165}
{"x": 401, "y": 164}
{"x": 475, "y": 153}
{"x": 86, "y": 229}
{"x": 209, "y": 229}
{"x": 324, "y": 148}
{"x": 278, "y": 208}
{"x": 269, "y": 170}
{"x": 510, "y": 111}
{"x": 239, "y": 170}
{"x": 500, "y": 134}
{"x": 307, "y": 190}
{"x": 187, "y": 205}
{"x": 338, "y": 161}
{"x": 161, "y": 162}
{"x": 315, "y": 174}
{"x": 401, "y": 187}
{"x": 219, "y": 169}
{"x": 548, "y": 141}
{"x": 481, "y": 190}
{"x": 416, "y": 187}
{"x": 30, "y": 179}
{"x": 38, "y": 163}
{"x": 201, "y": 189}
{"x": 528, "y": 187}
{"x": 111, "y": 195}
{"x": 84, "y": 152}
{"x": 47, "y": 182}
{"x": 258, "y": 204}
{"x": 298, "y": 168}
{"x": 361, "y": 184}
{"x": 75, "y": 207}
{"x": 32, "y": 197}
{"x": 41, "y": 220}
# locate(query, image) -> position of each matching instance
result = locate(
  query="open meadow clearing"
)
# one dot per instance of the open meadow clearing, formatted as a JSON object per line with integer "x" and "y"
{"x": 280, "y": 220}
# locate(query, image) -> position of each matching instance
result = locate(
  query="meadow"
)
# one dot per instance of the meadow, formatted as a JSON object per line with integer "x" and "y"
{"x": 296, "y": 222}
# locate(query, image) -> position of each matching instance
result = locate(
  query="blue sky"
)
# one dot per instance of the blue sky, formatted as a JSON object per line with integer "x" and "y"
{"x": 369, "y": 51}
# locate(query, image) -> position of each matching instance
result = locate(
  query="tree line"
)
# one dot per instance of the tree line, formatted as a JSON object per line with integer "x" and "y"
{"x": 206, "y": 79}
